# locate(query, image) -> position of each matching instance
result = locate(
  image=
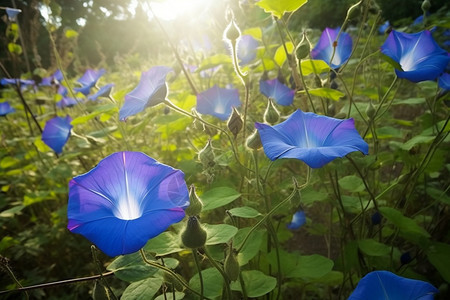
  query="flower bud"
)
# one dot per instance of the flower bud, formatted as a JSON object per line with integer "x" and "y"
{"x": 370, "y": 111}
{"x": 426, "y": 5}
{"x": 376, "y": 218}
{"x": 235, "y": 122}
{"x": 231, "y": 265}
{"x": 254, "y": 141}
{"x": 353, "y": 11}
{"x": 271, "y": 115}
{"x": 303, "y": 48}
{"x": 193, "y": 235}
{"x": 206, "y": 155}
{"x": 232, "y": 32}
{"x": 195, "y": 203}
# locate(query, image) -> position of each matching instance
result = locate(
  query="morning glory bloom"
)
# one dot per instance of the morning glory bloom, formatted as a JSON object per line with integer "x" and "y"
{"x": 88, "y": 80}
{"x": 127, "y": 199}
{"x": 5, "y": 108}
{"x": 311, "y": 138}
{"x": 12, "y": 13}
{"x": 22, "y": 82}
{"x": 383, "y": 27}
{"x": 379, "y": 285}
{"x": 104, "y": 91}
{"x": 418, "y": 54}
{"x": 324, "y": 48}
{"x": 298, "y": 220}
{"x": 246, "y": 49}
{"x": 66, "y": 102}
{"x": 444, "y": 81}
{"x": 274, "y": 89}
{"x": 55, "y": 78}
{"x": 151, "y": 90}
{"x": 56, "y": 133}
{"x": 218, "y": 102}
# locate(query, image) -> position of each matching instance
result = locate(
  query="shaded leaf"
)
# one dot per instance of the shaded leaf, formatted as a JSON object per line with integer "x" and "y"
{"x": 256, "y": 283}
{"x": 218, "y": 197}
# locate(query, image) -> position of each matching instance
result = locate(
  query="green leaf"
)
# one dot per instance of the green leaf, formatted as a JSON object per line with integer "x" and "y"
{"x": 214, "y": 61}
{"x": 256, "y": 283}
{"x": 131, "y": 268}
{"x": 14, "y": 48}
{"x": 280, "y": 54}
{"x": 307, "y": 266}
{"x": 8, "y": 161}
{"x": 255, "y": 32}
{"x": 351, "y": 183}
{"x": 327, "y": 93}
{"x": 314, "y": 66}
{"x": 279, "y": 7}
{"x": 142, "y": 290}
{"x": 11, "y": 212}
{"x": 219, "y": 234}
{"x": 439, "y": 257}
{"x": 392, "y": 62}
{"x": 212, "y": 281}
{"x": 373, "y": 248}
{"x": 244, "y": 212}
{"x": 164, "y": 244}
{"x": 251, "y": 247}
{"x": 409, "y": 101}
{"x": 218, "y": 197}
{"x": 418, "y": 139}
{"x": 70, "y": 33}
{"x": 310, "y": 195}
{"x": 178, "y": 296}
{"x": 403, "y": 223}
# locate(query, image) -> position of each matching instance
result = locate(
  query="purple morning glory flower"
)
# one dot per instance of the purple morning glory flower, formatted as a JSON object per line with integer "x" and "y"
{"x": 55, "y": 78}
{"x": 151, "y": 90}
{"x": 218, "y": 102}
{"x": 383, "y": 27}
{"x": 324, "y": 48}
{"x": 62, "y": 90}
{"x": 66, "y": 102}
{"x": 313, "y": 139}
{"x": 127, "y": 199}
{"x": 298, "y": 220}
{"x": 246, "y": 49}
{"x": 418, "y": 54}
{"x": 22, "y": 82}
{"x": 5, "y": 108}
{"x": 444, "y": 81}
{"x": 104, "y": 91}
{"x": 88, "y": 80}
{"x": 386, "y": 285}
{"x": 56, "y": 133}
{"x": 12, "y": 13}
{"x": 274, "y": 89}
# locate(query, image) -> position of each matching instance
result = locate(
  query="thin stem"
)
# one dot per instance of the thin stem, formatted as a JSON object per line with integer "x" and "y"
{"x": 98, "y": 264}
{"x": 199, "y": 270}
{"x": 221, "y": 271}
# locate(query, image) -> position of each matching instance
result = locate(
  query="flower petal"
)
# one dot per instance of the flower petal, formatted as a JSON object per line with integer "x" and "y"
{"x": 104, "y": 91}
{"x": 379, "y": 285}
{"x": 324, "y": 47}
{"x": 5, "y": 108}
{"x": 274, "y": 89}
{"x": 444, "y": 81}
{"x": 56, "y": 133}
{"x": 246, "y": 49}
{"x": 218, "y": 102}
{"x": 298, "y": 220}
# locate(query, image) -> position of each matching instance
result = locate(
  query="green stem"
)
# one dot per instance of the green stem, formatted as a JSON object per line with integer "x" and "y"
{"x": 102, "y": 278}
{"x": 199, "y": 270}
{"x": 221, "y": 271}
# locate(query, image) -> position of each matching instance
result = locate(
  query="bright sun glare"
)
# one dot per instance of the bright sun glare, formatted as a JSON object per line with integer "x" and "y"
{"x": 171, "y": 9}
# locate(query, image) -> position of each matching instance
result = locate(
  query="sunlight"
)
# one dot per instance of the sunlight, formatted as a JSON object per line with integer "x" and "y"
{"x": 171, "y": 9}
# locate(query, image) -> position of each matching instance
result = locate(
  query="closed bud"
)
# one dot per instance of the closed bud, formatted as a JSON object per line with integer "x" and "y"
{"x": 376, "y": 218}
{"x": 271, "y": 115}
{"x": 235, "y": 122}
{"x": 254, "y": 141}
{"x": 193, "y": 235}
{"x": 426, "y": 5}
{"x": 206, "y": 155}
{"x": 232, "y": 32}
{"x": 195, "y": 203}
{"x": 231, "y": 265}
{"x": 370, "y": 110}
{"x": 353, "y": 11}
{"x": 303, "y": 49}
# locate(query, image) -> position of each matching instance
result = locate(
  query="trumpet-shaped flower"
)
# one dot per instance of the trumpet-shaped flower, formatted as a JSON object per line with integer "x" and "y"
{"x": 218, "y": 102}
{"x": 127, "y": 199}
{"x": 327, "y": 42}
{"x": 55, "y": 78}
{"x": 298, "y": 220}
{"x": 274, "y": 89}
{"x": 313, "y": 139}
{"x": 22, "y": 82}
{"x": 418, "y": 54}
{"x": 246, "y": 49}
{"x": 104, "y": 91}
{"x": 88, "y": 80}
{"x": 379, "y": 285}
{"x": 12, "y": 13}
{"x": 56, "y": 133}
{"x": 66, "y": 102}
{"x": 151, "y": 90}
{"x": 444, "y": 81}
{"x": 5, "y": 108}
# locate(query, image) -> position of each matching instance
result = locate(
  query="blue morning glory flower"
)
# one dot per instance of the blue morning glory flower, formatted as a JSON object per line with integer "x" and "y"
{"x": 218, "y": 102}
{"x": 246, "y": 49}
{"x": 127, "y": 199}
{"x": 444, "y": 81}
{"x": 298, "y": 220}
{"x": 89, "y": 80}
{"x": 22, "y": 82}
{"x": 274, "y": 89}
{"x": 55, "y": 78}
{"x": 151, "y": 90}
{"x": 418, "y": 54}
{"x": 5, "y": 108}
{"x": 104, "y": 91}
{"x": 56, "y": 133}
{"x": 66, "y": 102}
{"x": 384, "y": 285}
{"x": 383, "y": 27}
{"x": 311, "y": 138}
{"x": 324, "y": 48}
{"x": 62, "y": 90}
{"x": 12, "y": 13}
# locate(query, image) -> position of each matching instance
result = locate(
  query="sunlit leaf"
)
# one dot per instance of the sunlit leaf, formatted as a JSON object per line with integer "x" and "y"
{"x": 279, "y": 7}
{"x": 280, "y": 54}
{"x": 214, "y": 61}
{"x": 218, "y": 197}
{"x": 70, "y": 33}
{"x": 314, "y": 66}
{"x": 164, "y": 244}
{"x": 327, "y": 93}
{"x": 131, "y": 268}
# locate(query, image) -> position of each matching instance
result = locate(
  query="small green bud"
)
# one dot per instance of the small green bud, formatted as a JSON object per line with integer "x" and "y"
{"x": 353, "y": 11}
{"x": 271, "y": 115}
{"x": 303, "y": 50}
{"x": 206, "y": 155}
{"x": 232, "y": 32}
{"x": 235, "y": 122}
{"x": 254, "y": 141}
{"x": 193, "y": 235}
{"x": 426, "y": 5}
{"x": 370, "y": 111}
{"x": 195, "y": 203}
{"x": 231, "y": 265}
